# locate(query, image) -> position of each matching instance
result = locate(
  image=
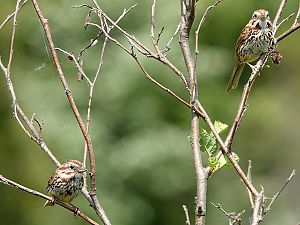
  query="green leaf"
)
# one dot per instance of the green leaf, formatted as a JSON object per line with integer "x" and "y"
{"x": 235, "y": 156}
{"x": 208, "y": 142}
{"x": 212, "y": 162}
{"x": 223, "y": 161}
{"x": 210, "y": 146}
{"x": 219, "y": 126}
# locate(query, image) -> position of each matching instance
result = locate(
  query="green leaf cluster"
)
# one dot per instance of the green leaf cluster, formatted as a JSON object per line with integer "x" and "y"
{"x": 209, "y": 145}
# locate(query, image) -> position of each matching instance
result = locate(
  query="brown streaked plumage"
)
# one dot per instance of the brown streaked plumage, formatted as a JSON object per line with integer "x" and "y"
{"x": 66, "y": 182}
{"x": 256, "y": 38}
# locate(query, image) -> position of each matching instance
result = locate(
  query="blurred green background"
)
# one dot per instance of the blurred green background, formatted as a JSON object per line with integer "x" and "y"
{"x": 144, "y": 161}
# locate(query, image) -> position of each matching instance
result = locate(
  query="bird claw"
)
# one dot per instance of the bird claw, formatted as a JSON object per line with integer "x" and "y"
{"x": 51, "y": 202}
{"x": 76, "y": 212}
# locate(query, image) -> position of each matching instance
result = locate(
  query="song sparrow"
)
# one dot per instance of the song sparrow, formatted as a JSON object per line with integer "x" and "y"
{"x": 256, "y": 38}
{"x": 66, "y": 182}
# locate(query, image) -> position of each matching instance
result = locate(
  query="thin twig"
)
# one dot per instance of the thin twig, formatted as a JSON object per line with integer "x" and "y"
{"x": 12, "y": 39}
{"x": 186, "y": 213}
{"x": 37, "y": 136}
{"x": 132, "y": 39}
{"x": 249, "y": 176}
{"x": 231, "y": 216}
{"x": 40, "y": 125}
{"x": 167, "y": 48}
{"x": 285, "y": 19}
{"x": 148, "y": 76}
{"x": 201, "y": 23}
{"x": 72, "y": 57}
{"x": 295, "y": 26}
{"x": 41, "y": 195}
{"x": 152, "y": 27}
{"x": 12, "y": 14}
{"x": 278, "y": 14}
{"x": 92, "y": 43}
{"x": 142, "y": 48}
{"x": 279, "y": 192}
{"x": 288, "y": 32}
{"x": 32, "y": 133}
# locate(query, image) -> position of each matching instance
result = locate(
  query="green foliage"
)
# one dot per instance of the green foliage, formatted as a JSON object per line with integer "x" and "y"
{"x": 209, "y": 145}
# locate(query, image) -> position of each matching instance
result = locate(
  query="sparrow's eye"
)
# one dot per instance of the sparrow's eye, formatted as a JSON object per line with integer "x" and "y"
{"x": 71, "y": 167}
{"x": 254, "y": 16}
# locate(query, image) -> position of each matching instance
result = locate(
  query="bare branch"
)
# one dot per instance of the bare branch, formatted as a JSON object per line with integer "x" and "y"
{"x": 69, "y": 207}
{"x": 288, "y": 32}
{"x": 12, "y": 14}
{"x": 278, "y": 14}
{"x": 167, "y": 48}
{"x": 40, "y": 125}
{"x": 152, "y": 35}
{"x": 233, "y": 218}
{"x": 78, "y": 66}
{"x": 201, "y": 172}
{"x": 12, "y": 39}
{"x": 32, "y": 133}
{"x": 152, "y": 27}
{"x": 92, "y": 43}
{"x": 37, "y": 136}
{"x": 243, "y": 103}
{"x": 142, "y": 48}
{"x": 295, "y": 26}
{"x": 279, "y": 192}
{"x": 159, "y": 84}
{"x": 186, "y": 213}
{"x": 132, "y": 39}
{"x": 148, "y": 76}
{"x": 256, "y": 215}
{"x": 160, "y": 56}
{"x": 249, "y": 176}
{"x": 285, "y": 19}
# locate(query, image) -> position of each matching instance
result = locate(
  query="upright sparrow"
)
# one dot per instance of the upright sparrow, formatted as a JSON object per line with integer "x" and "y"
{"x": 66, "y": 182}
{"x": 255, "y": 39}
